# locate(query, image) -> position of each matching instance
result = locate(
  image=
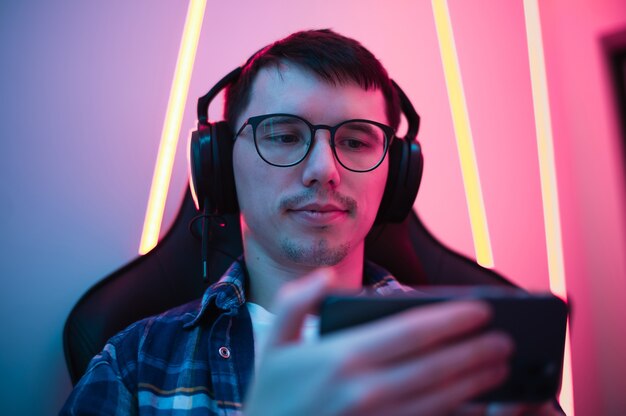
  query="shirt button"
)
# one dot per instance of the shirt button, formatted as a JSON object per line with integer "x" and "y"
{"x": 224, "y": 352}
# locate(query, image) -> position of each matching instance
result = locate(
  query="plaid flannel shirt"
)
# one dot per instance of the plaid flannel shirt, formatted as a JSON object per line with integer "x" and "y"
{"x": 196, "y": 359}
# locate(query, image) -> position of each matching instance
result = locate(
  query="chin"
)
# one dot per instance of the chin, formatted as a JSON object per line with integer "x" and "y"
{"x": 317, "y": 254}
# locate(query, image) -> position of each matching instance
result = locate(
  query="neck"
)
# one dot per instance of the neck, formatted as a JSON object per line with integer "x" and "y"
{"x": 267, "y": 274}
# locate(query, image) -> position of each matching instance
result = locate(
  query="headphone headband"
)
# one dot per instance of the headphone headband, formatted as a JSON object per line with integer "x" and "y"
{"x": 205, "y": 100}
{"x": 412, "y": 118}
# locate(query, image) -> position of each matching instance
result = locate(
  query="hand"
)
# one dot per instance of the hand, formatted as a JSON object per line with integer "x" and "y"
{"x": 422, "y": 361}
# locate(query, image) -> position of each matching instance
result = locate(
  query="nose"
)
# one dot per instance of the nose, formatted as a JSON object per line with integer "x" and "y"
{"x": 320, "y": 166}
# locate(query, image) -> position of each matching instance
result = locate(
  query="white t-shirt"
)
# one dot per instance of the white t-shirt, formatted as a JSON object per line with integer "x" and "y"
{"x": 262, "y": 321}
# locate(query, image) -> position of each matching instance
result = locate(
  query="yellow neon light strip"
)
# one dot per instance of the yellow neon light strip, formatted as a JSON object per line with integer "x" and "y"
{"x": 463, "y": 132}
{"x": 171, "y": 126}
{"x": 549, "y": 190}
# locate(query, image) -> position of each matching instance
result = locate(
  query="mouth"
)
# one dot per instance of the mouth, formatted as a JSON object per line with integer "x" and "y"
{"x": 318, "y": 214}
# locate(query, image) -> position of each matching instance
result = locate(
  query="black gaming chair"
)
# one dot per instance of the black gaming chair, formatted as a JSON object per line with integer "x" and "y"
{"x": 170, "y": 275}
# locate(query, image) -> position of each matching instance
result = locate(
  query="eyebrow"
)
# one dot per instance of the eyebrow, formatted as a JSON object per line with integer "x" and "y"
{"x": 362, "y": 127}
{"x": 285, "y": 120}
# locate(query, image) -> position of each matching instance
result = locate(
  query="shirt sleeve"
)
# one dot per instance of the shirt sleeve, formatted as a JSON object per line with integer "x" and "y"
{"x": 106, "y": 388}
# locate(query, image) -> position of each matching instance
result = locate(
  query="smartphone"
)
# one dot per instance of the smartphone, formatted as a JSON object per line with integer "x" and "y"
{"x": 536, "y": 322}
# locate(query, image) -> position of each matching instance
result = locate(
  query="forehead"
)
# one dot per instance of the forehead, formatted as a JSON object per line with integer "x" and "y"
{"x": 292, "y": 89}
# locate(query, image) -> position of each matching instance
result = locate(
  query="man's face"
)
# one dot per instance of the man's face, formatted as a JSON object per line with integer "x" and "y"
{"x": 317, "y": 212}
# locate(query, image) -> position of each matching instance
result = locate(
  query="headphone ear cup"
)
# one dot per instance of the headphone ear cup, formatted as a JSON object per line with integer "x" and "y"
{"x": 211, "y": 169}
{"x": 406, "y": 165}
{"x": 195, "y": 169}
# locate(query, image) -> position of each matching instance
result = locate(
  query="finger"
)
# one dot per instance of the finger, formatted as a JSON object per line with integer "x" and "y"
{"x": 438, "y": 369}
{"x": 412, "y": 332}
{"x": 444, "y": 400}
{"x": 471, "y": 409}
{"x": 520, "y": 409}
{"x": 446, "y": 366}
{"x": 507, "y": 409}
{"x": 294, "y": 301}
{"x": 495, "y": 409}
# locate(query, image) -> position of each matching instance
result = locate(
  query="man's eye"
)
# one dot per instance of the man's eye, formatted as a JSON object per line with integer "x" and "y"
{"x": 354, "y": 144}
{"x": 283, "y": 139}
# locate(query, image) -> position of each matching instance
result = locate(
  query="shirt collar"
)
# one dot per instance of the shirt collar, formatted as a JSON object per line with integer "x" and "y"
{"x": 228, "y": 294}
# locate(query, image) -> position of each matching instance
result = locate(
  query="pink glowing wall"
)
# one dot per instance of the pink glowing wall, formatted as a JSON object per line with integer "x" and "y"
{"x": 591, "y": 177}
{"x": 85, "y": 87}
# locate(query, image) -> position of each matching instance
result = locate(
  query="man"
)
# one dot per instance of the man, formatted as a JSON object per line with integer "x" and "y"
{"x": 311, "y": 116}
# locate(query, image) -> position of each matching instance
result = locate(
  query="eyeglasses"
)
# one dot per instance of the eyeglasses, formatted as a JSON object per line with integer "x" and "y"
{"x": 285, "y": 140}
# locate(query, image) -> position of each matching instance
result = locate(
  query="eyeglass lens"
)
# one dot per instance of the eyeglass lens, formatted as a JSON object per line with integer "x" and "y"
{"x": 285, "y": 140}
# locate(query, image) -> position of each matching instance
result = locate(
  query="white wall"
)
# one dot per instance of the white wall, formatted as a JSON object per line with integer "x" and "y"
{"x": 84, "y": 88}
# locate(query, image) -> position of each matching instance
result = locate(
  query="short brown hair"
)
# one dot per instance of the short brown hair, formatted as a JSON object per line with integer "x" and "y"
{"x": 336, "y": 59}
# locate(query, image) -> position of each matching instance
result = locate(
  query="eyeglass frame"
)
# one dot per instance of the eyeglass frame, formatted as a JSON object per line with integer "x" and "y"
{"x": 254, "y": 121}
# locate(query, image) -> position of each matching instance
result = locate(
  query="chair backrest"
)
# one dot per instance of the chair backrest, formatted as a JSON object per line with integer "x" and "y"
{"x": 170, "y": 275}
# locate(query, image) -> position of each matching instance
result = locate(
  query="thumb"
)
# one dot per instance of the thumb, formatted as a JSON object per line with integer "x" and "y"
{"x": 294, "y": 301}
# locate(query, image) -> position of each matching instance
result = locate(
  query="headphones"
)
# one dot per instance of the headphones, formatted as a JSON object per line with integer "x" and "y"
{"x": 212, "y": 180}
